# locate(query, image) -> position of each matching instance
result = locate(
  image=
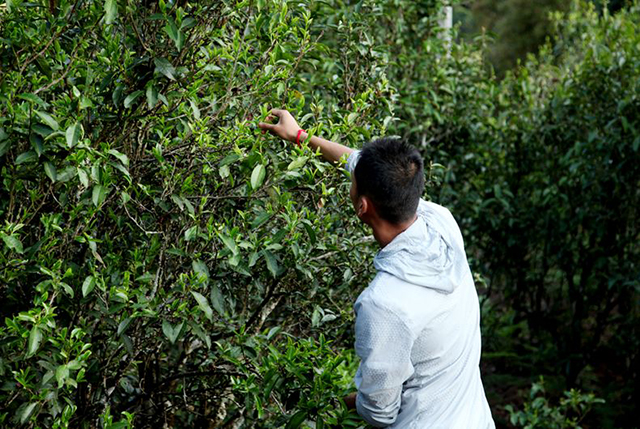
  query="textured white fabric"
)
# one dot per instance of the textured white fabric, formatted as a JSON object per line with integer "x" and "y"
{"x": 418, "y": 331}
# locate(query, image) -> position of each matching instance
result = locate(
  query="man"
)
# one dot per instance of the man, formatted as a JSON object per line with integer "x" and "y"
{"x": 417, "y": 323}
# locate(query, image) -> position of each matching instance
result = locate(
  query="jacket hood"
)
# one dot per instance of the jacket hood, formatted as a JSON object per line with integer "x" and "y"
{"x": 424, "y": 255}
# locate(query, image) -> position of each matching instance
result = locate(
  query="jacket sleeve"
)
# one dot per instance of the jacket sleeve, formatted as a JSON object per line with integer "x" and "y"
{"x": 352, "y": 161}
{"x": 383, "y": 343}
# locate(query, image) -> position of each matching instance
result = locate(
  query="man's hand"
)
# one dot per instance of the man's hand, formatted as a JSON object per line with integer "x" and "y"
{"x": 350, "y": 401}
{"x": 287, "y": 128}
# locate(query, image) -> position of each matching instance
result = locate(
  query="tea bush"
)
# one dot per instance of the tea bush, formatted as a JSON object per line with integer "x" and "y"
{"x": 540, "y": 414}
{"x": 154, "y": 240}
{"x": 542, "y": 171}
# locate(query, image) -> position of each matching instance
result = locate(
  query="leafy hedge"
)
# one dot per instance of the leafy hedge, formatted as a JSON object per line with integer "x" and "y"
{"x": 165, "y": 263}
{"x": 542, "y": 170}
{"x": 155, "y": 240}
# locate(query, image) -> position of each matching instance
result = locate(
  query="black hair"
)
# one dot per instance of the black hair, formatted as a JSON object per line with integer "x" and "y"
{"x": 390, "y": 173}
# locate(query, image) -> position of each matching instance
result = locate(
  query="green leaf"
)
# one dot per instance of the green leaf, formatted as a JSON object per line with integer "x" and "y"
{"x": 196, "y": 329}
{"x": 230, "y": 243}
{"x": 48, "y": 119}
{"x": 122, "y": 169}
{"x": 217, "y": 300}
{"x": 296, "y": 420}
{"x": 29, "y": 156}
{"x": 128, "y": 344}
{"x": 13, "y": 243}
{"x": 4, "y": 147}
{"x": 171, "y": 332}
{"x": 171, "y": 29}
{"x": 203, "y": 304}
{"x": 66, "y": 174}
{"x": 191, "y": 233}
{"x": 257, "y": 176}
{"x": 164, "y": 67}
{"x": 145, "y": 278}
{"x": 125, "y": 197}
{"x": 131, "y": 98}
{"x": 177, "y": 252}
{"x": 175, "y": 34}
{"x": 201, "y": 270}
{"x": 99, "y": 194}
{"x": 73, "y": 134}
{"x": 88, "y": 285}
{"x": 68, "y": 289}
{"x": 37, "y": 143}
{"x": 84, "y": 177}
{"x": 43, "y": 130}
{"x": 229, "y": 159}
{"x": 85, "y": 102}
{"x": 26, "y": 412}
{"x": 167, "y": 330}
{"x": 51, "y": 171}
{"x": 62, "y": 372}
{"x": 297, "y": 163}
{"x": 124, "y": 325}
{"x": 316, "y": 316}
{"x": 74, "y": 365}
{"x": 178, "y": 200}
{"x": 258, "y": 404}
{"x": 124, "y": 159}
{"x": 328, "y": 318}
{"x": 188, "y": 23}
{"x": 34, "y": 99}
{"x": 194, "y": 108}
{"x": 35, "y": 337}
{"x": 152, "y": 96}
{"x": 110, "y": 11}
{"x": 273, "y": 331}
{"x": 117, "y": 95}
{"x": 272, "y": 262}
{"x": 96, "y": 172}
{"x": 260, "y": 219}
{"x": 310, "y": 231}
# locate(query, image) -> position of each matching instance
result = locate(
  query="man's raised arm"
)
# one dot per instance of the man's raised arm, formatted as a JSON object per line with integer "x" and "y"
{"x": 287, "y": 128}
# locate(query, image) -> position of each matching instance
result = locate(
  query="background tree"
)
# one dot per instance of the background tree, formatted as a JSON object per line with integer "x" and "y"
{"x": 518, "y": 27}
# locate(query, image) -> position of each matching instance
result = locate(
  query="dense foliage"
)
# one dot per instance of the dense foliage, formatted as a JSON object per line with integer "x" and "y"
{"x": 517, "y": 27}
{"x": 165, "y": 263}
{"x": 547, "y": 188}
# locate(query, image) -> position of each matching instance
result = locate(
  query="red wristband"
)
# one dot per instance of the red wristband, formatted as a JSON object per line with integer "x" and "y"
{"x": 300, "y": 131}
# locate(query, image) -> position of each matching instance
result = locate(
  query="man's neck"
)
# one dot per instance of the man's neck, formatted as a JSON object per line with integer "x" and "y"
{"x": 384, "y": 232}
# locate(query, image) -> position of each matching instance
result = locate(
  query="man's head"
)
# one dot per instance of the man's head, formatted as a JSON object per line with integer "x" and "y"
{"x": 389, "y": 175}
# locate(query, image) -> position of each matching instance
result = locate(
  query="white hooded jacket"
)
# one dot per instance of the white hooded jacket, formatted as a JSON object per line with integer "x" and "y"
{"x": 418, "y": 331}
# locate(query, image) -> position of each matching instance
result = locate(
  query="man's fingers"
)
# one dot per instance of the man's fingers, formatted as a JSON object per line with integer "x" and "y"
{"x": 266, "y": 126}
{"x": 276, "y": 128}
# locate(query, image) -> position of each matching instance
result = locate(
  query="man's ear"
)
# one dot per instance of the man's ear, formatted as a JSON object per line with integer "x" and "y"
{"x": 364, "y": 206}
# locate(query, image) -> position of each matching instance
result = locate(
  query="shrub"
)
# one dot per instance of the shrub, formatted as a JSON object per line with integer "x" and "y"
{"x": 543, "y": 175}
{"x": 152, "y": 235}
{"x": 539, "y": 413}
